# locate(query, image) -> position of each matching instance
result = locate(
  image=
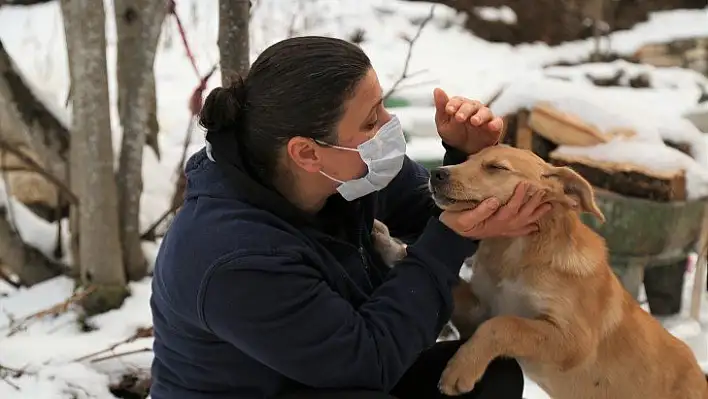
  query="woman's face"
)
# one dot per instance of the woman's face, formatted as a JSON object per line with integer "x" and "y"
{"x": 363, "y": 116}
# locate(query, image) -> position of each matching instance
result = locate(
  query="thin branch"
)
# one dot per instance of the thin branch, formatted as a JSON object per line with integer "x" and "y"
{"x": 405, "y": 75}
{"x": 9, "y": 372}
{"x": 55, "y": 310}
{"x": 150, "y": 233}
{"x": 140, "y": 333}
{"x": 12, "y": 370}
{"x": 176, "y": 202}
{"x": 496, "y": 95}
{"x": 195, "y": 106}
{"x": 116, "y": 355}
{"x": 417, "y": 84}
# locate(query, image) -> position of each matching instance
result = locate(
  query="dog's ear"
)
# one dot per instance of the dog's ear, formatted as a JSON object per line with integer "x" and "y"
{"x": 577, "y": 192}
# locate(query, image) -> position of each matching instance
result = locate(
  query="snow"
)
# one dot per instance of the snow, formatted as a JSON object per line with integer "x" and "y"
{"x": 503, "y": 14}
{"x": 445, "y": 56}
{"x": 425, "y": 148}
{"x": 34, "y": 230}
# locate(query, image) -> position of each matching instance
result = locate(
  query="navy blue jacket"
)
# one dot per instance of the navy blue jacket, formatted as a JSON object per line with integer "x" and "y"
{"x": 252, "y": 297}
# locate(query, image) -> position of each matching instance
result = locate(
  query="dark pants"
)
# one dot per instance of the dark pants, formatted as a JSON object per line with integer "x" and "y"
{"x": 502, "y": 380}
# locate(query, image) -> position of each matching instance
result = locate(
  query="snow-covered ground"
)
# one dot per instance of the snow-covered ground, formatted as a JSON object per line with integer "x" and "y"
{"x": 49, "y": 350}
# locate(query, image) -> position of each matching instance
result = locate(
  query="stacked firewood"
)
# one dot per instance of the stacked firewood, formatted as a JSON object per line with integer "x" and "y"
{"x": 543, "y": 128}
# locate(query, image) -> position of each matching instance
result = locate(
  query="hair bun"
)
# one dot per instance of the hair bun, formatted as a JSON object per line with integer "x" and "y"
{"x": 223, "y": 107}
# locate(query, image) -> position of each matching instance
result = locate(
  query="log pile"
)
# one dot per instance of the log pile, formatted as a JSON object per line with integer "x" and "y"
{"x": 691, "y": 53}
{"x": 543, "y": 128}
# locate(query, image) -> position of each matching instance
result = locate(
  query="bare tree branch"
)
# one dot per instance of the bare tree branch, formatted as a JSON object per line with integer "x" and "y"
{"x": 142, "y": 332}
{"x": 411, "y": 42}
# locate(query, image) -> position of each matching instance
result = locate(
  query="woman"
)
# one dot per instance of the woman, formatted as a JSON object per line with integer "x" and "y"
{"x": 267, "y": 284}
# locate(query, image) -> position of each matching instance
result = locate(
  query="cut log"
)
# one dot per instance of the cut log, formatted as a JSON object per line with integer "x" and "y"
{"x": 563, "y": 128}
{"x": 527, "y": 139}
{"x": 508, "y": 136}
{"x": 524, "y": 134}
{"x": 627, "y": 179}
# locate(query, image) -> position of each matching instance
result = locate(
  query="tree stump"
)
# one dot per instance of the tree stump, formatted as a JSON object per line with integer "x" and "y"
{"x": 644, "y": 234}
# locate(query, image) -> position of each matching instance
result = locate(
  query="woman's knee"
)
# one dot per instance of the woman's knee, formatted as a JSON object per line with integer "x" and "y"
{"x": 503, "y": 379}
{"x": 336, "y": 394}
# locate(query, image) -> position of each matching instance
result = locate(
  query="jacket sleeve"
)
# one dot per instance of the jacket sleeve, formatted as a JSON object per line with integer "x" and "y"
{"x": 276, "y": 308}
{"x": 405, "y": 205}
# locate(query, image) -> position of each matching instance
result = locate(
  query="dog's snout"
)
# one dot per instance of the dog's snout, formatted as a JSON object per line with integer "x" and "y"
{"x": 439, "y": 175}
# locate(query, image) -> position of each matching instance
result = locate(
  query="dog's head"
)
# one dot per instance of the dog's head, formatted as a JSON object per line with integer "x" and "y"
{"x": 495, "y": 172}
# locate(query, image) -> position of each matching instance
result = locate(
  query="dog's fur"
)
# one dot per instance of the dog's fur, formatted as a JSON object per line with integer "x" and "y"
{"x": 550, "y": 299}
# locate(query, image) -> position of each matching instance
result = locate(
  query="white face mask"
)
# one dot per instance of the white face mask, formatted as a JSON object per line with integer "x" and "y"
{"x": 383, "y": 154}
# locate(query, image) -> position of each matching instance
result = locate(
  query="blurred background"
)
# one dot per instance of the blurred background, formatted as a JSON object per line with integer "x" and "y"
{"x": 97, "y": 105}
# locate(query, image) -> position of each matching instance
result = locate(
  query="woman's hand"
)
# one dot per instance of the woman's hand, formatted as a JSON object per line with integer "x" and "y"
{"x": 465, "y": 124}
{"x": 518, "y": 217}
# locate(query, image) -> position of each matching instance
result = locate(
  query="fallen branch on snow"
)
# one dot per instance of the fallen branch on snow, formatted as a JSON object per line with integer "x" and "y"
{"x": 55, "y": 310}
{"x": 9, "y": 372}
{"x": 140, "y": 333}
{"x": 121, "y": 354}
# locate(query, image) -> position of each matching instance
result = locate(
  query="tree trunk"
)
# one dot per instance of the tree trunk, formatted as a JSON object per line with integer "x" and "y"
{"x": 138, "y": 24}
{"x": 30, "y": 265}
{"x": 25, "y": 120}
{"x": 91, "y": 148}
{"x": 234, "y": 16}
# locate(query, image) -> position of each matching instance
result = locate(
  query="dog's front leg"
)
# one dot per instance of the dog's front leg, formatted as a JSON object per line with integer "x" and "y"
{"x": 510, "y": 336}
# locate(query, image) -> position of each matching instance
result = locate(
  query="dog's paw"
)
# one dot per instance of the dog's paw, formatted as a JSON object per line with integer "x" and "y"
{"x": 460, "y": 375}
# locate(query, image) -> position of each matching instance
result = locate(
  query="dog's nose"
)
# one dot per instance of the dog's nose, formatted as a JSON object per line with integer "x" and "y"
{"x": 439, "y": 175}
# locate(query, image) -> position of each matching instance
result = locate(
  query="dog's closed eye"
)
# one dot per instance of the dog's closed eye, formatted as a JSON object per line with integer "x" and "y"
{"x": 497, "y": 166}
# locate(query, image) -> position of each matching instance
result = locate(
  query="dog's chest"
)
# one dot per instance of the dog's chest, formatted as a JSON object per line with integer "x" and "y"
{"x": 504, "y": 297}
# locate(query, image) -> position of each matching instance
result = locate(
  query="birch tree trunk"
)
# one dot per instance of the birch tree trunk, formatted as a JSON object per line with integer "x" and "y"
{"x": 234, "y": 16}
{"x": 138, "y": 24}
{"x": 91, "y": 153}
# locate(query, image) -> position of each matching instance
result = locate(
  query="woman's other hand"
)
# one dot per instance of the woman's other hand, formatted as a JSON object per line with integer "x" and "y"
{"x": 516, "y": 218}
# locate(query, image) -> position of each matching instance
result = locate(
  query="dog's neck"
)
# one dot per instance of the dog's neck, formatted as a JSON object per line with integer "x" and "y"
{"x": 563, "y": 243}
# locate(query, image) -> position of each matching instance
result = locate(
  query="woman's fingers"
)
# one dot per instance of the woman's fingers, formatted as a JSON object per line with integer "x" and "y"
{"x": 496, "y": 125}
{"x": 482, "y": 116}
{"x": 467, "y": 223}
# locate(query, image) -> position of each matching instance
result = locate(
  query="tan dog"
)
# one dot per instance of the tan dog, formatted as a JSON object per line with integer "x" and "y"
{"x": 550, "y": 299}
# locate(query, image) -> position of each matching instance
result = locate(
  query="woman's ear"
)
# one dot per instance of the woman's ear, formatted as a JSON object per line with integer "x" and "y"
{"x": 577, "y": 192}
{"x": 305, "y": 153}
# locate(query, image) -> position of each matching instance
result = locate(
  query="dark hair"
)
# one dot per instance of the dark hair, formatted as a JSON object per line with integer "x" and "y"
{"x": 296, "y": 87}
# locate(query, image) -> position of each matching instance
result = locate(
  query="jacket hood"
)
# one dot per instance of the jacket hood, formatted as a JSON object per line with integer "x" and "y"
{"x": 221, "y": 173}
